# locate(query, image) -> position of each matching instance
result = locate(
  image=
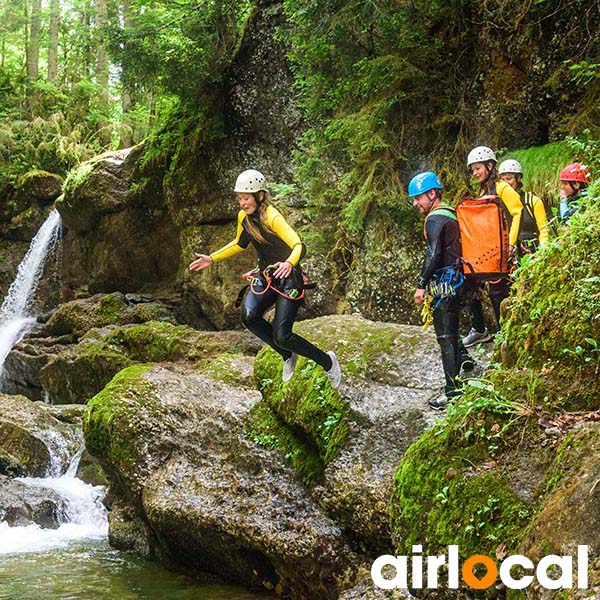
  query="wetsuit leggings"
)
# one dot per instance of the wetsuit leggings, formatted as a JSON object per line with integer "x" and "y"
{"x": 445, "y": 323}
{"x": 279, "y": 334}
{"x": 497, "y": 291}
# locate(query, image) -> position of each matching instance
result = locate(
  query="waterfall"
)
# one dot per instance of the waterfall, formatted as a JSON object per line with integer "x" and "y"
{"x": 15, "y": 313}
{"x": 85, "y": 516}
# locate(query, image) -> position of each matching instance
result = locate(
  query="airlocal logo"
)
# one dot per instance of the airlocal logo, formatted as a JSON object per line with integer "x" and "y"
{"x": 552, "y": 563}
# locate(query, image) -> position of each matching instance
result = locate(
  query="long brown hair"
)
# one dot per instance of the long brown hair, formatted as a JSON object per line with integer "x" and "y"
{"x": 261, "y": 209}
{"x": 488, "y": 187}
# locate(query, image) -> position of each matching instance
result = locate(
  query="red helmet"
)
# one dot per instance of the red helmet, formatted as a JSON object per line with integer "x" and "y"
{"x": 575, "y": 172}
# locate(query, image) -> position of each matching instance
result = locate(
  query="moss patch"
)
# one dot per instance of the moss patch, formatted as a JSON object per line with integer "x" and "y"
{"x": 265, "y": 429}
{"x": 553, "y": 324}
{"x": 124, "y": 394}
{"x": 307, "y": 403}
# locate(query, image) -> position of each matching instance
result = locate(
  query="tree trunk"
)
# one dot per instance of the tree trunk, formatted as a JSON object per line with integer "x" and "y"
{"x": 33, "y": 46}
{"x": 53, "y": 40}
{"x": 126, "y": 138}
{"x": 102, "y": 70}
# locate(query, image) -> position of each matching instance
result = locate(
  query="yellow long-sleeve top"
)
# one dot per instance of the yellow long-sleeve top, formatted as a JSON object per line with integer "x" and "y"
{"x": 282, "y": 243}
{"x": 514, "y": 206}
{"x": 533, "y": 218}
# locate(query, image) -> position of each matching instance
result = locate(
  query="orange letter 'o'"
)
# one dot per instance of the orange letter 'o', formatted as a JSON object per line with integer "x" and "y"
{"x": 487, "y": 580}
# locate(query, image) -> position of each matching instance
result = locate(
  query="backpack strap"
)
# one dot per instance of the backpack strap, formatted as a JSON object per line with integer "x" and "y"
{"x": 528, "y": 203}
{"x": 441, "y": 209}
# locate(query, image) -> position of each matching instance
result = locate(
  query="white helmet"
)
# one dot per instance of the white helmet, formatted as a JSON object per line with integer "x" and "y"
{"x": 480, "y": 154}
{"x": 510, "y": 166}
{"x": 250, "y": 181}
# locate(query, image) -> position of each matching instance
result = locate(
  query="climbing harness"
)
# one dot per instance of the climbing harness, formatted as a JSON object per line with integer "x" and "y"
{"x": 259, "y": 282}
{"x": 444, "y": 284}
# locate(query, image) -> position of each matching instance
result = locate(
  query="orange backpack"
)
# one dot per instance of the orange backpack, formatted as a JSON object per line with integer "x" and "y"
{"x": 484, "y": 235}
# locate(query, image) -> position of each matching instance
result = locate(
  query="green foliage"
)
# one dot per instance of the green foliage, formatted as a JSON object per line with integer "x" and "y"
{"x": 178, "y": 47}
{"x": 454, "y": 499}
{"x": 484, "y": 415}
{"x": 157, "y": 52}
{"x": 555, "y": 308}
{"x": 358, "y": 72}
{"x": 541, "y": 167}
{"x": 586, "y": 148}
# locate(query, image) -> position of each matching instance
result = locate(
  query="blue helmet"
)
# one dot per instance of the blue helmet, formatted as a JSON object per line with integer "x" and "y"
{"x": 423, "y": 182}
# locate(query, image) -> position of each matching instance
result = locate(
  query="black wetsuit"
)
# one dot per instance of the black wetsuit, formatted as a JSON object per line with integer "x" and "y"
{"x": 281, "y": 244}
{"x": 443, "y": 250}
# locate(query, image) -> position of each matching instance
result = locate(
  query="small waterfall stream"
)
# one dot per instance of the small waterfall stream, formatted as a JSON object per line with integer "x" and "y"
{"x": 84, "y": 518}
{"x": 15, "y": 313}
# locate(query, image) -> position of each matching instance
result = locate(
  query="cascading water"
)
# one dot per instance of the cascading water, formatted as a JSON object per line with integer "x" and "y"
{"x": 15, "y": 313}
{"x": 85, "y": 516}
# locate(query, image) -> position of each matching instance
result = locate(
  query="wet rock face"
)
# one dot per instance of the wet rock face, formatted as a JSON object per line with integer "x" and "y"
{"x": 24, "y": 207}
{"x": 22, "y": 505}
{"x": 26, "y": 204}
{"x": 176, "y": 452}
{"x": 113, "y": 241}
{"x": 32, "y": 442}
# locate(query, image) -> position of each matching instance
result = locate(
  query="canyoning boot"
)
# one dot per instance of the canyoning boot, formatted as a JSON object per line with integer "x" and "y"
{"x": 438, "y": 402}
{"x": 476, "y": 337}
{"x": 289, "y": 366}
{"x": 335, "y": 373}
{"x": 467, "y": 364}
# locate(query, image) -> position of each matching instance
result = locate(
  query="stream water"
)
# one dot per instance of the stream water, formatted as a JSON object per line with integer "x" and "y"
{"x": 92, "y": 570}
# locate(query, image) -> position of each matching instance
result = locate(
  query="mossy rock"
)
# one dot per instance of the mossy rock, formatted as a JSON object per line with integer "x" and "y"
{"x": 375, "y": 352}
{"x": 235, "y": 369}
{"x": 553, "y": 324}
{"x": 347, "y": 443}
{"x": 569, "y": 514}
{"x": 108, "y": 435}
{"x": 79, "y": 316}
{"x": 81, "y": 371}
{"x": 174, "y": 448}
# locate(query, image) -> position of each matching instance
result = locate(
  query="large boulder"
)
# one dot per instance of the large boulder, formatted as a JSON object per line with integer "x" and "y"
{"x": 348, "y": 443}
{"x": 26, "y": 204}
{"x": 114, "y": 239}
{"x": 81, "y": 371}
{"x": 33, "y": 442}
{"x": 22, "y": 505}
{"x": 194, "y": 490}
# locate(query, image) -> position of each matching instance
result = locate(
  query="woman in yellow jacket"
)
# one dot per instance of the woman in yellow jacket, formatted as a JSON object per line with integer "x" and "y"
{"x": 279, "y": 249}
{"x": 482, "y": 165}
{"x": 533, "y": 231}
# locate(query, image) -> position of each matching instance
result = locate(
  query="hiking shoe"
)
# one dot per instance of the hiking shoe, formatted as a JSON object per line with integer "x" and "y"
{"x": 476, "y": 337}
{"x": 439, "y": 402}
{"x": 467, "y": 363}
{"x": 289, "y": 366}
{"x": 335, "y": 373}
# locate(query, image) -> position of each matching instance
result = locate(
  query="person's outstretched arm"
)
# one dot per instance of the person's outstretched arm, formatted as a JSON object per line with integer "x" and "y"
{"x": 237, "y": 245}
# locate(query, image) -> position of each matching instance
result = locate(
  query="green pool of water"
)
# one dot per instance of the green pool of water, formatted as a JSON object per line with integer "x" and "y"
{"x": 95, "y": 571}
